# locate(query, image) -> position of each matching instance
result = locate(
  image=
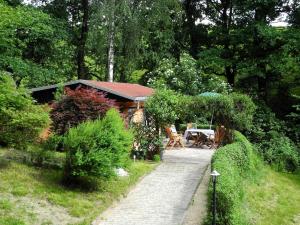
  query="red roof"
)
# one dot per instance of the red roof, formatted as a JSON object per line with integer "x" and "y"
{"x": 132, "y": 91}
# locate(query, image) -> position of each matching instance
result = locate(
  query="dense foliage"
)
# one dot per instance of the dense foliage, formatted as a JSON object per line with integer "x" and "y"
{"x": 274, "y": 139}
{"x": 188, "y": 46}
{"x": 234, "y": 111}
{"x": 96, "y": 148}
{"x": 235, "y": 162}
{"x": 77, "y": 106}
{"x": 33, "y": 46}
{"x": 147, "y": 143}
{"x": 21, "y": 121}
{"x": 163, "y": 106}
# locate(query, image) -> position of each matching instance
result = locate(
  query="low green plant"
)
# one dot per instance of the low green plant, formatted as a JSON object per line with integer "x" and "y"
{"x": 95, "y": 148}
{"x": 45, "y": 158}
{"x": 156, "y": 158}
{"x": 53, "y": 142}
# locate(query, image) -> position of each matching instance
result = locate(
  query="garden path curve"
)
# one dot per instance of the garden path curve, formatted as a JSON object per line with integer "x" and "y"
{"x": 163, "y": 196}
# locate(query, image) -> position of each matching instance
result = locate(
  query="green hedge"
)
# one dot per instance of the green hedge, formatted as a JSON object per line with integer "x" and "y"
{"x": 235, "y": 162}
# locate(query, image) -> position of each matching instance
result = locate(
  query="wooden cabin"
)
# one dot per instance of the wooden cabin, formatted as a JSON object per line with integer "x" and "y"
{"x": 129, "y": 97}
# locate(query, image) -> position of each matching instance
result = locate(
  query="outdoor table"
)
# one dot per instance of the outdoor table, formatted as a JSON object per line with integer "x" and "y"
{"x": 208, "y": 132}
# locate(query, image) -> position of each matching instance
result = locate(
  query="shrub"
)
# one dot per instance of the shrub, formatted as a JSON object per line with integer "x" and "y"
{"x": 53, "y": 142}
{"x": 95, "y": 148}
{"x": 234, "y": 162}
{"x": 146, "y": 141}
{"x": 280, "y": 152}
{"x": 269, "y": 133}
{"x": 264, "y": 121}
{"x": 164, "y": 107}
{"x": 194, "y": 108}
{"x": 77, "y": 106}
{"x": 156, "y": 158}
{"x": 21, "y": 120}
{"x": 294, "y": 118}
{"x": 234, "y": 111}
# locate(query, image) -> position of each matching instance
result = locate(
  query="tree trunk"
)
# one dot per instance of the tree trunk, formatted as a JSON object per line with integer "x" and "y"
{"x": 230, "y": 75}
{"x": 194, "y": 39}
{"x": 111, "y": 44}
{"x": 81, "y": 69}
{"x": 226, "y": 24}
{"x": 260, "y": 17}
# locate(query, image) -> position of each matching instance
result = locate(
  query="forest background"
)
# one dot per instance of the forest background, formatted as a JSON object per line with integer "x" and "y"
{"x": 190, "y": 46}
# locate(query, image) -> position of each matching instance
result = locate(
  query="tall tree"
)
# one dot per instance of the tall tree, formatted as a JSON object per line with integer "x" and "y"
{"x": 81, "y": 68}
{"x": 144, "y": 33}
{"x": 111, "y": 41}
{"x": 75, "y": 13}
{"x": 294, "y": 15}
{"x": 33, "y": 46}
{"x": 194, "y": 13}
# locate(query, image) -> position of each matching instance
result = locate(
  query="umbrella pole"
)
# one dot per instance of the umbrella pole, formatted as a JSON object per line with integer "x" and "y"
{"x": 212, "y": 116}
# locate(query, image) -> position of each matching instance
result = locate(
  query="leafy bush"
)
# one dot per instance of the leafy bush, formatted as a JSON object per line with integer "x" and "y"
{"x": 234, "y": 111}
{"x": 269, "y": 133}
{"x": 163, "y": 106}
{"x": 280, "y": 152}
{"x": 146, "y": 140}
{"x": 264, "y": 122}
{"x": 234, "y": 162}
{"x": 162, "y": 109}
{"x": 95, "y": 148}
{"x": 53, "y": 142}
{"x": 77, "y": 106}
{"x": 156, "y": 158}
{"x": 21, "y": 120}
{"x": 193, "y": 108}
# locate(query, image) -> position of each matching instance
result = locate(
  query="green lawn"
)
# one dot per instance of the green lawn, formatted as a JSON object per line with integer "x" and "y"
{"x": 275, "y": 200}
{"x": 30, "y": 195}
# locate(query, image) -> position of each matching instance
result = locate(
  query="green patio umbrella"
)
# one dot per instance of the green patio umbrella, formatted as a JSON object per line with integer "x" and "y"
{"x": 210, "y": 94}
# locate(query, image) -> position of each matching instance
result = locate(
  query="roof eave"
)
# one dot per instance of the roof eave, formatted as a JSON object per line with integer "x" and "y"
{"x": 143, "y": 98}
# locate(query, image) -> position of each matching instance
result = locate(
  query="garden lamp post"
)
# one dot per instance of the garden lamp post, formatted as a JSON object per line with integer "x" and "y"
{"x": 214, "y": 176}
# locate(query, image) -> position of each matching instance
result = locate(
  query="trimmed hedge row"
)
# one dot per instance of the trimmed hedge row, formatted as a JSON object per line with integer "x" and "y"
{"x": 235, "y": 162}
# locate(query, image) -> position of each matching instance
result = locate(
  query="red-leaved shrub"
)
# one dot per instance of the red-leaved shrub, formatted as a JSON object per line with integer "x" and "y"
{"x": 77, "y": 106}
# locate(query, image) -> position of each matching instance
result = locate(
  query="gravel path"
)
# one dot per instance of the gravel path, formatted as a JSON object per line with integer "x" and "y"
{"x": 162, "y": 197}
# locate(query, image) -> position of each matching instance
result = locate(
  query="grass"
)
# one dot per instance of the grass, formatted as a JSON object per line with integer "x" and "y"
{"x": 275, "y": 199}
{"x": 22, "y": 185}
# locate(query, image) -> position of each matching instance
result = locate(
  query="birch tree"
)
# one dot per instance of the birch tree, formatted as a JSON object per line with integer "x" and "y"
{"x": 111, "y": 42}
